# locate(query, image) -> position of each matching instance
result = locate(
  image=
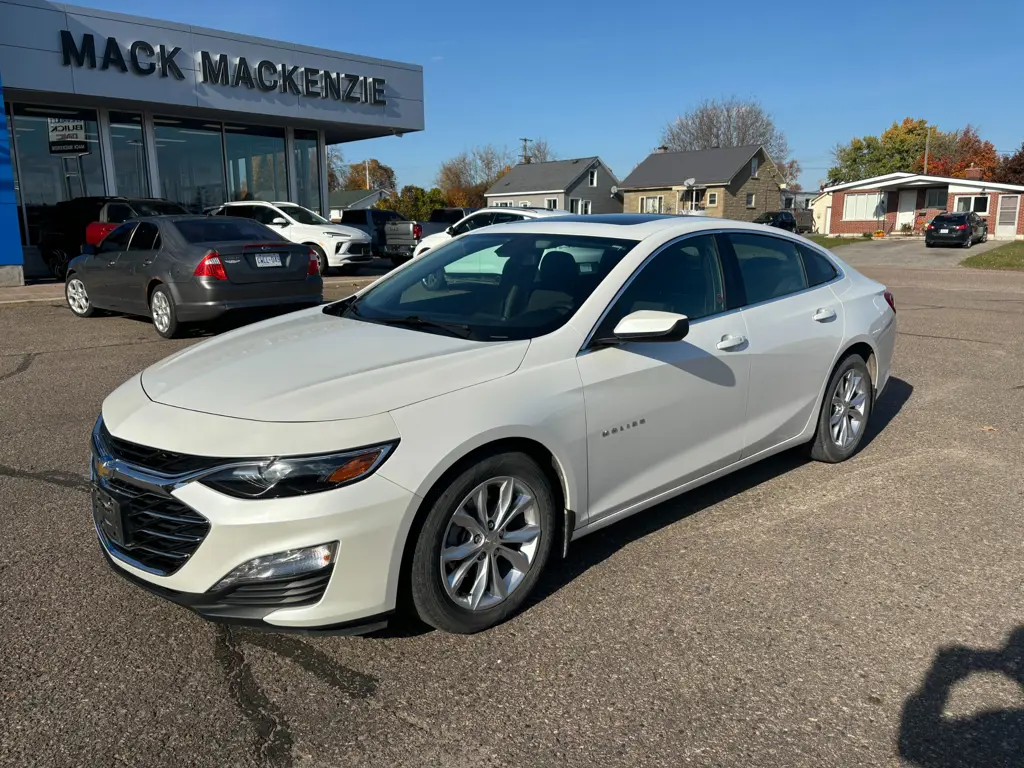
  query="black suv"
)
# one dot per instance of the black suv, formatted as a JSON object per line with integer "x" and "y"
{"x": 781, "y": 219}
{"x": 962, "y": 229}
{"x": 62, "y": 230}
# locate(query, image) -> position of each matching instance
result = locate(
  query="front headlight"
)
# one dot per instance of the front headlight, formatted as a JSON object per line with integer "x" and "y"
{"x": 337, "y": 234}
{"x": 297, "y": 475}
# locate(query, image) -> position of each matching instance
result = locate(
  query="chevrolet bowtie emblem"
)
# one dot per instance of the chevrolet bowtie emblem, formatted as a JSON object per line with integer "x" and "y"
{"x": 104, "y": 468}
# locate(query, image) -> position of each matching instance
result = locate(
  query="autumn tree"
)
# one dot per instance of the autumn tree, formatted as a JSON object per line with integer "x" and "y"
{"x": 791, "y": 171}
{"x": 369, "y": 174}
{"x": 335, "y": 168}
{"x": 465, "y": 178}
{"x": 1011, "y": 168}
{"x": 898, "y": 149}
{"x": 729, "y": 122}
{"x": 414, "y": 203}
{"x": 541, "y": 152}
{"x": 951, "y": 154}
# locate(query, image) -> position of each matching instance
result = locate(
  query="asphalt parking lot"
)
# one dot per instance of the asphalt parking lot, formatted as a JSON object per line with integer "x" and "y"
{"x": 908, "y": 253}
{"x": 793, "y": 614}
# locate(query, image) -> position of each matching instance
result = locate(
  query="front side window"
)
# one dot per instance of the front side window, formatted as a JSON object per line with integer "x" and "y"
{"x": 975, "y": 203}
{"x": 685, "y": 278}
{"x": 144, "y": 237}
{"x": 770, "y": 266}
{"x": 215, "y": 230}
{"x": 495, "y": 286}
{"x": 551, "y": 203}
{"x": 118, "y": 239}
{"x": 470, "y": 223}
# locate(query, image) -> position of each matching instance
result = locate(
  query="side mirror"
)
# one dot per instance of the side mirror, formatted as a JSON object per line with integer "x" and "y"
{"x": 450, "y": 231}
{"x": 89, "y": 249}
{"x": 279, "y": 222}
{"x": 651, "y": 325}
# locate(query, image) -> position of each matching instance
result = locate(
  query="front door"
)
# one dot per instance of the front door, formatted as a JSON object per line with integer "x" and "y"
{"x": 908, "y": 203}
{"x": 99, "y": 273}
{"x": 129, "y": 275}
{"x": 1006, "y": 218}
{"x": 828, "y": 220}
{"x": 660, "y": 414}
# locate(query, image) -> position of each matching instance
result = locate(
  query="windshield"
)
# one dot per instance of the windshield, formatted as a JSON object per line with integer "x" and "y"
{"x": 302, "y": 215}
{"x": 157, "y": 208}
{"x": 495, "y": 286}
{"x": 225, "y": 230}
{"x": 765, "y": 217}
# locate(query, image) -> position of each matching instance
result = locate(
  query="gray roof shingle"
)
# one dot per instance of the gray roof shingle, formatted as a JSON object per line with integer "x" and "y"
{"x": 706, "y": 166}
{"x": 541, "y": 177}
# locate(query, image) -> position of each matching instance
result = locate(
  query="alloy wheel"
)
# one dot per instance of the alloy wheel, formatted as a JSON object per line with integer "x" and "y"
{"x": 78, "y": 297}
{"x": 490, "y": 543}
{"x": 161, "y": 310}
{"x": 849, "y": 410}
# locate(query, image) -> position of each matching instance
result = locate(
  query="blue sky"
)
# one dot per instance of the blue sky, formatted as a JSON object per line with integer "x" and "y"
{"x": 603, "y": 78}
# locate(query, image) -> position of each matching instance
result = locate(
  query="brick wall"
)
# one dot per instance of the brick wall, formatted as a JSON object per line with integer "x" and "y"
{"x": 631, "y": 199}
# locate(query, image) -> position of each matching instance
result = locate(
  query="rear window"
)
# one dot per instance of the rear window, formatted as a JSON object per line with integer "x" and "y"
{"x": 225, "y": 230}
{"x": 445, "y": 216}
{"x": 157, "y": 208}
{"x": 950, "y": 218}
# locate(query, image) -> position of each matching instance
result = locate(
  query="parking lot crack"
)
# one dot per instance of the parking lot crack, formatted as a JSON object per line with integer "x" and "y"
{"x": 50, "y": 477}
{"x": 23, "y": 365}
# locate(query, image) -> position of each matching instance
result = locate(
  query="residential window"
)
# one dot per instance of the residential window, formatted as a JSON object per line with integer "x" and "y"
{"x": 976, "y": 203}
{"x": 712, "y": 199}
{"x": 863, "y": 207}
{"x": 753, "y": 167}
{"x": 551, "y": 203}
{"x": 524, "y": 203}
{"x": 788, "y": 202}
{"x": 654, "y": 204}
{"x": 751, "y": 199}
{"x": 574, "y": 205}
{"x": 585, "y": 207}
{"x": 593, "y": 178}
{"x": 503, "y": 204}
{"x": 936, "y": 198}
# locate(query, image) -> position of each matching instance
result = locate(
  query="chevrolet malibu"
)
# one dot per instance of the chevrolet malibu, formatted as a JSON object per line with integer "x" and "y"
{"x": 438, "y": 449}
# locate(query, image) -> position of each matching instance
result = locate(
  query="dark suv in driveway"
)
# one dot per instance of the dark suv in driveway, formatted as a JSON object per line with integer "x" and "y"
{"x": 962, "y": 229}
{"x": 781, "y": 219}
{"x": 63, "y": 229}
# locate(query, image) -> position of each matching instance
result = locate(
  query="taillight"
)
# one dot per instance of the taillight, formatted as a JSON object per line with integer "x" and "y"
{"x": 890, "y": 300}
{"x": 211, "y": 266}
{"x": 931, "y": 226}
{"x": 961, "y": 228}
{"x": 314, "y": 263}
{"x": 417, "y": 231}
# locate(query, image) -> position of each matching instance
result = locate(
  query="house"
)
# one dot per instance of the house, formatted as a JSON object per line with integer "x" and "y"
{"x": 788, "y": 199}
{"x": 821, "y": 206}
{"x": 905, "y": 202}
{"x": 584, "y": 185}
{"x": 730, "y": 182}
{"x": 340, "y": 199}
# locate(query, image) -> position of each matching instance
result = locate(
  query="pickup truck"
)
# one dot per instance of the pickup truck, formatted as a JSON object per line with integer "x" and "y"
{"x": 371, "y": 221}
{"x": 402, "y": 237}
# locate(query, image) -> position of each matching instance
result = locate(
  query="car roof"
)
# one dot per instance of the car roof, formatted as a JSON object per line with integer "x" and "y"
{"x": 531, "y": 210}
{"x": 628, "y": 226}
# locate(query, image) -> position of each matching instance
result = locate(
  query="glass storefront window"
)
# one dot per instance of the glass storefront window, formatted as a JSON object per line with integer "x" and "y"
{"x": 131, "y": 173}
{"x": 306, "y": 160}
{"x": 256, "y": 169}
{"x": 190, "y": 156}
{"x": 53, "y": 171}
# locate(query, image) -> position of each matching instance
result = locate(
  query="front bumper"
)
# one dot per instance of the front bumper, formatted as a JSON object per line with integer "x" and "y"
{"x": 350, "y": 252}
{"x": 204, "y": 299}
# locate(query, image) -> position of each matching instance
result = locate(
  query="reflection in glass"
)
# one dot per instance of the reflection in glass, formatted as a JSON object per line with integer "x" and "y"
{"x": 307, "y": 170}
{"x": 48, "y": 178}
{"x": 190, "y": 157}
{"x": 126, "y": 140}
{"x": 256, "y": 169}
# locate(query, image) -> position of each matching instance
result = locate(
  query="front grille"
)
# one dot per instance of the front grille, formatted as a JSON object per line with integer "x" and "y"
{"x": 289, "y": 592}
{"x": 161, "y": 533}
{"x": 154, "y": 459}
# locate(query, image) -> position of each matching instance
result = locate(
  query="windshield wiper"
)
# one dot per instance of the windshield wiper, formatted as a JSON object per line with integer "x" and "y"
{"x": 414, "y": 321}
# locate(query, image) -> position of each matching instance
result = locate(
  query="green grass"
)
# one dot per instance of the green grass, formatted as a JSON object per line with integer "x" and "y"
{"x": 1009, "y": 256}
{"x": 832, "y": 242}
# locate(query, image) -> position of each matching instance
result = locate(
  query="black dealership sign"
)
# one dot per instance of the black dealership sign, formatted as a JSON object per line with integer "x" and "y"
{"x": 265, "y": 75}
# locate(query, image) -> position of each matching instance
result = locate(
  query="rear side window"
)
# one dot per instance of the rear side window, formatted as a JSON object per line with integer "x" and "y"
{"x": 819, "y": 269}
{"x": 770, "y": 266}
{"x": 118, "y": 239}
{"x": 144, "y": 237}
{"x": 353, "y": 217}
{"x": 157, "y": 208}
{"x": 225, "y": 230}
{"x": 119, "y": 212}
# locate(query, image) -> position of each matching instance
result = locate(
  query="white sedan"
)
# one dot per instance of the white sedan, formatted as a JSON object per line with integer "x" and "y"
{"x": 441, "y": 448}
{"x": 480, "y": 219}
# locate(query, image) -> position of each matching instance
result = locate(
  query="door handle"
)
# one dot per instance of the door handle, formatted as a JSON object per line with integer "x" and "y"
{"x": 147, "y": 262}
{"x": 731, "y": 342}
{"x": 824, "y": 315}
{"x": 111, "y": 263}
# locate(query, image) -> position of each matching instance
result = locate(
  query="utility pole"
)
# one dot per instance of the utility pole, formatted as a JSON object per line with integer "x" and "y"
{"x": 927, "y": 142}
{"x": 526, "y": 149}
{"x": 367, "y": 164}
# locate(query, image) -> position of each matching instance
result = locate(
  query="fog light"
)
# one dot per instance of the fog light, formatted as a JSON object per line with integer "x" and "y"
{"x": 292, "y": 562}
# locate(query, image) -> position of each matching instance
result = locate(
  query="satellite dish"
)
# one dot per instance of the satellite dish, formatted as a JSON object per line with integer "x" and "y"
{"x": 690, "y": 182}
{"x": 615, "y": 190}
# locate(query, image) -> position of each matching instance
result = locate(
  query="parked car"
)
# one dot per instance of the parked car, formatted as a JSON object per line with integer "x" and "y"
{"x": 482, "y": 218}
{"x": 73, "y": 223}
{"x": 781, "y": 219}
{"x": 402, "y": 237}
{"x": 962, "y": 229}
{"x": 335, "y": 246}
{"x": 371, "y": 221}
{"x": 804, "y": 220}
{"x": 183, "y": 269}
{"x": 546, "y": 404}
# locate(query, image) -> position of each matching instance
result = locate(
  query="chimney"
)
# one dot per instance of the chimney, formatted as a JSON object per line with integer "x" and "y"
{"x": 972, "y": 173}
{"x": 661, "y": 150}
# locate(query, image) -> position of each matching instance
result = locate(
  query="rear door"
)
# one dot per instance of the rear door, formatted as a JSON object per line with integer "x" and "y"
{"x": 795, "y": 325}
{"x": 130, "y": 274}
{"x": 100, "y": 270}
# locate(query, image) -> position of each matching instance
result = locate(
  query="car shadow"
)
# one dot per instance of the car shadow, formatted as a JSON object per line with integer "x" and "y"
{"x": 930, "y": 739}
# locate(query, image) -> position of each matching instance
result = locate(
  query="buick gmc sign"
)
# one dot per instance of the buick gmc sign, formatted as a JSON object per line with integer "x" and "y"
{"x": 265, "y": 75}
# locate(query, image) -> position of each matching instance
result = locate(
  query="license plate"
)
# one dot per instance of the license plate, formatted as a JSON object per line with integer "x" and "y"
{"x": 107, "y": 512}
{"x": 268, "y": 260}
{"x": 943, "y": 231}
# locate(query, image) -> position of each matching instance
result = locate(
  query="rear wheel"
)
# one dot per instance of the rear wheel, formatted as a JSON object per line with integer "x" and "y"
{"x": 321, "y": 257}
{"x": 984, "y": 235}
{"x": 165, "y": 316}
{"x": 57, "y": 261}
{"x": 78, "y": 298}
{"x": 843, "y": 420}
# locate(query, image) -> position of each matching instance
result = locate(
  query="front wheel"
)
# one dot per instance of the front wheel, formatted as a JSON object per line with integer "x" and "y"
{"x": 78, "y": 298}
{"x": 163, "y": 312}
{"x": 843, "y": 420}
{"x": 484, "y": 544}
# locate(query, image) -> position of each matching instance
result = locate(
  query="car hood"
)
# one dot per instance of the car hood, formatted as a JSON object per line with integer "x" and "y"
{"x": 310, "y": 366}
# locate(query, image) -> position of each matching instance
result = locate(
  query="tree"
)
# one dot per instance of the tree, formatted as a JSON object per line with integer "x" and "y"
{"x": 541, "y": 152}
{"x": 335, "y": 169}
{"x": 898, "y": 149}
{"x": 465, "y": 178}
{"x": 1011, "y": 168}
{"x": 415, "y": 203}
{"x": 791, "y": 171}
{"x": 729, "y": 122}
{"x": 381, "y": 176}
{"x": 951, "y": 154}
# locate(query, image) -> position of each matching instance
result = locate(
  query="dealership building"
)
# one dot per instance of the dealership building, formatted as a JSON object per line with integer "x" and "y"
{"x": 99, "y": 103}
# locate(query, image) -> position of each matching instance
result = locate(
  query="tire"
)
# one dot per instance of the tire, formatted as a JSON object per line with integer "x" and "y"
{"x": 450, "y": 608}
{"x": 78, "y": 297}
{"x": 984, "y": 236}
{"x": 321, "y": 257}
{"x": 57, "y": 262}
{"x": 163, "y": 313}
{"x": 928, "y": 245}
{"x": 826, "y": 446}
{"x": 969, "y": 241}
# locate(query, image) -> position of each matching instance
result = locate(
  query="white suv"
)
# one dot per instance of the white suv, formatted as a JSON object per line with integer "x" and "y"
{"x": 482, "y": 218}
{"x": 334, "y": 245}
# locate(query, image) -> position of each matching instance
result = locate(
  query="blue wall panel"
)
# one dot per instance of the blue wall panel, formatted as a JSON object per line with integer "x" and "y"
{"x": 10, "y": 240}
